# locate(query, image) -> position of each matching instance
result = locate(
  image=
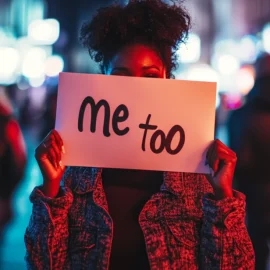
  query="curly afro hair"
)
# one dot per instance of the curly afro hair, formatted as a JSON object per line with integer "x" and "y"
{"x": 153, "y": 22}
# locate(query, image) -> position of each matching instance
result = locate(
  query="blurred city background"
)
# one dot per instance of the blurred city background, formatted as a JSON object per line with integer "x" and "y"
{"x": 39, "y": 39}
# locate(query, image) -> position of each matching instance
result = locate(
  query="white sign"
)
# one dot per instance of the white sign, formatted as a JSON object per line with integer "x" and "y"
{"x": 135, "y": 123}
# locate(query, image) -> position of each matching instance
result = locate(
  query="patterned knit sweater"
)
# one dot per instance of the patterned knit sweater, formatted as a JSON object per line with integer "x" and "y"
{"x": 184, "y": 226}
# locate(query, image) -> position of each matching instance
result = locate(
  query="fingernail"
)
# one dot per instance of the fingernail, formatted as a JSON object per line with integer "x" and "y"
{"x": 55, "y": 165}
{"x": 63, "y": 149}
{"x": 60, "y": 164}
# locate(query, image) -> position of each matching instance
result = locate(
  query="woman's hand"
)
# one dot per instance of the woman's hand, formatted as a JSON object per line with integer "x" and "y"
{"x": 222, "y": 161}
{"x": 48, "y": 155}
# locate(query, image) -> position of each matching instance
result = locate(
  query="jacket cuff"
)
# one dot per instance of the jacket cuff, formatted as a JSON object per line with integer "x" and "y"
{"x": 227, "y": 212}
{"x": 56, "y": 208}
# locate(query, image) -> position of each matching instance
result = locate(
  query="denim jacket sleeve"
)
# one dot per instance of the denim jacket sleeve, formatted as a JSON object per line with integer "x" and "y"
{"x": 46, "y": 237}
{"x": 225, "y": 243}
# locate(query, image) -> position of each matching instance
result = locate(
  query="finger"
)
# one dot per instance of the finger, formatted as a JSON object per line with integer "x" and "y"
{"x": 209, "y": 151}
{"x": 214, "y": 154}
{"x": 48, "y": 141}
{"x": 57, "y": 151}
{"x": 224, "y": 151}
{"x": 42, "y": 149}
{"x": 210, "y": 154}
{"x": 57, "y": 137}
{"x": 45, "y": 145}
{"x": 216, "y": 166}
{"x": 51, "y": 141}
{"x": 213, "y": 159}
{"x": 221, "y": 160}
{"x": 224, "y": 155}
{"x": 63, "y": 167}
{"x": 52, "y": 157}
{"x": 225, "y": 147}
{"x": 59, "y": 140}
{"x": 227, "y": 159}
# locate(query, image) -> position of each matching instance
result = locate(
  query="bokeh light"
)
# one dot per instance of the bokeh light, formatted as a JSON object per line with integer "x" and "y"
{"x": 227, "y": 64}
{"x": 9, "y": 61}
{"x": 54, "y": 65}
{"x": 190, "y": 51}
{"x": 44, "y": 32}
{"x": 248, "y": 48}
{"x": 37, "y": 82}
{"x": 266, "y": 37}
{"x": 202, "y": 72}
{"x": 34, "y": 63}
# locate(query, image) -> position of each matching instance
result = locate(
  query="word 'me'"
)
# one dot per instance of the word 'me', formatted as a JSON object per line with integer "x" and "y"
{"x": 107, "y": 113}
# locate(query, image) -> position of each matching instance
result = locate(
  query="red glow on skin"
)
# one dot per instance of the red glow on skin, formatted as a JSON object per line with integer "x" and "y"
{"x": 137, "y": 60}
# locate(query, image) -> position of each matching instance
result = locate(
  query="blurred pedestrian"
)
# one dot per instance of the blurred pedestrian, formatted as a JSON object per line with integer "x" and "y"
{"x": 12, "y": 159}
{"x": 249, "y": 137}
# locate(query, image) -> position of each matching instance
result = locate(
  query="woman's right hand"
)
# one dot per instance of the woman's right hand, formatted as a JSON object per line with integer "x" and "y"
{"x": 48, "y": 155}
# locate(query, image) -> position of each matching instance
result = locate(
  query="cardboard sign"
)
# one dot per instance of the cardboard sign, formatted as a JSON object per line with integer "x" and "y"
{"x": 135, "y": 123}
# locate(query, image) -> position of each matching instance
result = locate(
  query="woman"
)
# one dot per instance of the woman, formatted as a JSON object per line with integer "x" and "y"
{"x": 128, "y": 219}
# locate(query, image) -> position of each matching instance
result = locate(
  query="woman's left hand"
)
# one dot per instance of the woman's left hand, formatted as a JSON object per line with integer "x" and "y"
{"x": 222, "y": 161}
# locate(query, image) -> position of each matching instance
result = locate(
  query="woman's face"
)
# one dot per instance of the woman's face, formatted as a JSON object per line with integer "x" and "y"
{"x": 137, "y": 60}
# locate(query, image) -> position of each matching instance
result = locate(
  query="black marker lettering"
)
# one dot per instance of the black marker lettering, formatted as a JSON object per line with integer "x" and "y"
{"x": 146, "y": 127}
{"x": 117, "y": 118}
{"x": 154, "y": 139}
{"x": 94, "y": 111}
{"x": 169, "y": 139}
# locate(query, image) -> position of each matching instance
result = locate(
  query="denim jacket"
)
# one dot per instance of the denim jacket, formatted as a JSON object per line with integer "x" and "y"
{"x": 184, "y": 226}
